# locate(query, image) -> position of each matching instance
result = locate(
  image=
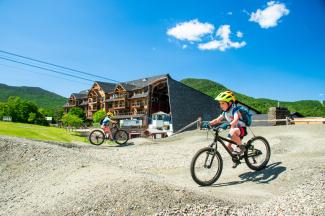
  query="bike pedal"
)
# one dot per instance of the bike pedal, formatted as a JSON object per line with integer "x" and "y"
{"x": 236, "y": 160}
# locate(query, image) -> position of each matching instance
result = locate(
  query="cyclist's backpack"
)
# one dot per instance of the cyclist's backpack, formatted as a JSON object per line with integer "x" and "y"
{"x": 246, "y": 115}
{"x": 101, "y": 121}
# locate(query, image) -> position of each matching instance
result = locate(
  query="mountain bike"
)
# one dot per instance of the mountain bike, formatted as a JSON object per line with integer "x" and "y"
{"x": 207, "y": 164}
{"x": 98, "y": 136}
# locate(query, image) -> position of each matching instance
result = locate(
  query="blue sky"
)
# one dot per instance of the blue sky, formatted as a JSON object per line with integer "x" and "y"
{"x": 264, "y": 49}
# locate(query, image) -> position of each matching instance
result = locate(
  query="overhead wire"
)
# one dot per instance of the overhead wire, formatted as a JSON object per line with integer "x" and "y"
{"x": 43, "y": 73}
{"x": 58, "y": 66}
{"x": 47, "y": 69}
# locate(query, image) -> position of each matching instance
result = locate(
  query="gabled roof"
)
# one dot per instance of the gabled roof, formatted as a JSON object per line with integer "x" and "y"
{"x": 84, "y": 92}
{"x": 79, "y": 96}
{"x": 130, "y": 85}
{"x": 141, "y": 83}
{"x": 107, "y": 87}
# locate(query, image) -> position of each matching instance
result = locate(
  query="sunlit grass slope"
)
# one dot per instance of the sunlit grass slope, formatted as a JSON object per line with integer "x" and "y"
{"x": 39, "y": 132}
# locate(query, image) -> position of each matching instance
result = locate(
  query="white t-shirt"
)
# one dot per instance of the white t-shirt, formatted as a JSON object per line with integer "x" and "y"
{"x": 229, "y": 115}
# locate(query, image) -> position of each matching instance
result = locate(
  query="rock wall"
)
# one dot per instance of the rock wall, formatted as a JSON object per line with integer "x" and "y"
{"x": 278, "y": 113}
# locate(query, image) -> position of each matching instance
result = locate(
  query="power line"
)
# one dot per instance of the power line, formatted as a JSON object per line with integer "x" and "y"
{"x": 55, "y": 65}
{"x": 43, "y": 73}
{"x": 55, "y": 71}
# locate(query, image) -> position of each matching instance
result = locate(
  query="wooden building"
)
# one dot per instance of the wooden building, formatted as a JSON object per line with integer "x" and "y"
{"x": 139, "y": 99}
{"x": 77, "y": 100}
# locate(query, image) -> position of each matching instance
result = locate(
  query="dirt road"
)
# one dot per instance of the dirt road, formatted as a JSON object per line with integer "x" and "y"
{"x": 149, "y": 177}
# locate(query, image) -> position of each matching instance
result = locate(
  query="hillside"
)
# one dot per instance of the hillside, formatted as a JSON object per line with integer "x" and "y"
{"x": 41, "y": 97}
{"x": 305, "y": 107}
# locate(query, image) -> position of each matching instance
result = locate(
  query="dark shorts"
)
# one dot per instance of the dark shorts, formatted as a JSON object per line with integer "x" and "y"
{"x": 243, "y": 132}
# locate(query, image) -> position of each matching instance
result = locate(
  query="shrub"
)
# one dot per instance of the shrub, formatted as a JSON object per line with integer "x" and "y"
{"x": 99, "y": 115}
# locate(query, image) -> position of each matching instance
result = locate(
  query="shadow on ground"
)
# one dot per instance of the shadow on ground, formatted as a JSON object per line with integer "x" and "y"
{"x": 264, "y": 176}
{"x": 109, "y": 145}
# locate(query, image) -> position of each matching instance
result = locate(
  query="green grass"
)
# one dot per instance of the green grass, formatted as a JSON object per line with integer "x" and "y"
{"x": 39, "y": 132}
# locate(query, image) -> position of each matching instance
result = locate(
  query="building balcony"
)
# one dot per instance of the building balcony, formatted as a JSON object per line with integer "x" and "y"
{"x": 137, "y": 105}
{"x": 142, "y": 95}
{"x": 115, "y": 99}
{"x": 119, "y": 107}
{"x": 67, "y": 105}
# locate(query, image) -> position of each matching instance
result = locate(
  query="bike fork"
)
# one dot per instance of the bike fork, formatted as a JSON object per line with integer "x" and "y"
{"x": 206, "y": 159}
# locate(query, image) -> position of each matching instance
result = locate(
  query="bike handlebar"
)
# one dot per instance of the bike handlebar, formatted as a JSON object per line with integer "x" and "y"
{"x": 218, "y": 127}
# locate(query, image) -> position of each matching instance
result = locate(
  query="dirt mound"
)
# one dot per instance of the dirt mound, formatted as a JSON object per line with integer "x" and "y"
{"x": 152, "y": 176}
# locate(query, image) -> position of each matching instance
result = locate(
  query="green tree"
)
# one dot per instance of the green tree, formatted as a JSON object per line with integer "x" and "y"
{"x": 71, "y": 120}
{"x": 20, "y": 111}
{"x": 13, "y": 108}
{"x": 99, "y": 115}
{"x": 58, "y": 114}
{"x": 31, "y": 118}
{"x": 25, "y": 108}
{"x": 3, "y": 110}
{"x": 77, "y": 111}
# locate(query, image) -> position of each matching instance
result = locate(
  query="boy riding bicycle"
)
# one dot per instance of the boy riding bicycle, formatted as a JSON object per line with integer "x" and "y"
{"x": 237, "y": 131}
{"x": 105, "y": 122}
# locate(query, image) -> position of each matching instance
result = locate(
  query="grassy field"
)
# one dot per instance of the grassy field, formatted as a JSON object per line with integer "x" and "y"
{"x": 39, "y": 132}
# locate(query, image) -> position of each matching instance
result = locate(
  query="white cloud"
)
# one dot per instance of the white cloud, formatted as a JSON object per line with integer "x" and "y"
{"x": 229, "y": 13}
{"x": 192, "y": 30}
{"x": 184, "y": 46}
{"x": 239, "y": 34}
{"x": 224, "y": 42}
{"x": 270, "y": 16}
{"x": 212, "y": 45}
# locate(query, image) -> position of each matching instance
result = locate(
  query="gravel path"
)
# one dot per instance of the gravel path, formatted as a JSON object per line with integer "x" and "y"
{"x": 151, "y": 177}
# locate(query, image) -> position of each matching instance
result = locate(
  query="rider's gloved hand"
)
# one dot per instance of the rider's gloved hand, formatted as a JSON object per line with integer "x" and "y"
{"x": 206, "y": 125}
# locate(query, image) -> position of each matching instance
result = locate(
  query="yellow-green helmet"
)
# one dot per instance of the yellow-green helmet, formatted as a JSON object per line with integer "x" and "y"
{"x": 226, "y": 96}
{"x": 110, "y": 114}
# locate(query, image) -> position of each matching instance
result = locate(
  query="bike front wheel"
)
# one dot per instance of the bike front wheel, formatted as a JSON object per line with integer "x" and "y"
{"x": 206, "y": 166}
{"x": 121, "y": 137}
{"x": 257, "y": 153}
{"x": 96, "y": 137}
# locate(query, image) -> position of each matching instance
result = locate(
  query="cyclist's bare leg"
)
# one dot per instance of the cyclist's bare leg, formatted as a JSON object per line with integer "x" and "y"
{"x": 234, "y": 133}
{"x": 229, "y": 147}
{"x": 109, "y": 133}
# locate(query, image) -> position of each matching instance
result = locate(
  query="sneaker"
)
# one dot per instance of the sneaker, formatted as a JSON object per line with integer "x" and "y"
{"x": 239, "y": 151}
{"x": 234, "y": 165}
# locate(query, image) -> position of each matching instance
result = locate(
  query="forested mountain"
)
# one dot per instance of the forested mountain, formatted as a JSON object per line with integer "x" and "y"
{"x": 305, "y": 107}
{"x": 50, "y": 100}
{"x": 39, "y": 96}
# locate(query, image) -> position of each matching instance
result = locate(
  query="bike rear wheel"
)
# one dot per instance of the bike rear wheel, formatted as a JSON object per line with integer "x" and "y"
{"x": 206, "y": 166}
{"x": 121, "y": 137}
{"x": 96, "y": 137}
{"x": 257, "y": 153}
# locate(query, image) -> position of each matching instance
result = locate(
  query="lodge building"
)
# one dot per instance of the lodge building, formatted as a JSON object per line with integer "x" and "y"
{"x": 140, "y": 99}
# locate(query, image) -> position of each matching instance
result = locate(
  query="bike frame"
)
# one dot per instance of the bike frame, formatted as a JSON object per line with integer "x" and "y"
{"x": 221, "y": 139}
{"x": 108, "y": 131}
